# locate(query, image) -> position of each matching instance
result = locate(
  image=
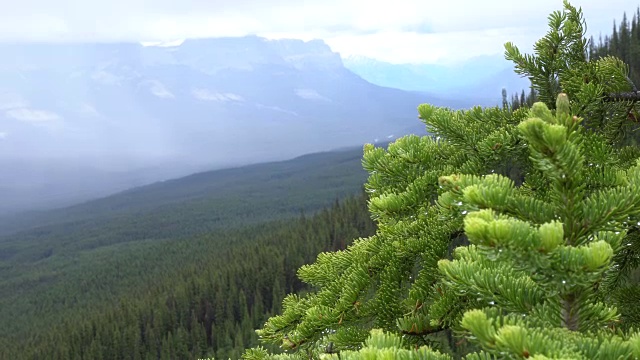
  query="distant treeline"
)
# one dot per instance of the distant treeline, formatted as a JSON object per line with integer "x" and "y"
{"x": 623, "y": 43}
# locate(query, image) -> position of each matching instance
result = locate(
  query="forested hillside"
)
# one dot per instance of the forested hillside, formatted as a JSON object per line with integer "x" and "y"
{"x": 185, "y": 298}
{"x": 80, "y": 262}
{"x": 196, "y": 203}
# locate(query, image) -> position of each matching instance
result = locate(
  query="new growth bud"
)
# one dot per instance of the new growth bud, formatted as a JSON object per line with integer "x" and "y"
{"x": 563, "y": 107}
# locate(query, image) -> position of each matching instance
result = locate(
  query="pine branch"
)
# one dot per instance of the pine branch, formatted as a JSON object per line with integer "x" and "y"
{"x": 633, "y": 95}
{"x": 428, "y": 331}
{"x": 625, "y": 96}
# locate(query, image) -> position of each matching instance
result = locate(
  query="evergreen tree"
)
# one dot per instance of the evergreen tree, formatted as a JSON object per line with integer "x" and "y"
{"x": 625, "y": 39}
{"x": 557, "y": 180}
{"x": 592, "y": 48}
{"x": 614, "y": 43}
{"x": 638, "y": 23}
{"x": 532, "y": 97}
{"x": 505, "y": 101}
{"x": 515, "y": 100}
{"x": 541, "y": 267}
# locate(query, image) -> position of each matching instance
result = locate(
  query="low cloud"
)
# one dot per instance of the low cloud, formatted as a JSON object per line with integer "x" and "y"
{"x": 310, "y": 94}
{"x": 207, "y": 95}
{"x": 88, "y": 110}
{"x": 106, "y": 78}
{"x": 276, "y": 108}
{"x": 11, "y": 100}
{"x": 436, "y": 48}
{"x": 159, "y": 90}
{"x": 32, "y": 115}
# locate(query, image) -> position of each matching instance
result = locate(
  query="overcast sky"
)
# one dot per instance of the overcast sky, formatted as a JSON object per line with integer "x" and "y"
{"x": 398, "y": 31}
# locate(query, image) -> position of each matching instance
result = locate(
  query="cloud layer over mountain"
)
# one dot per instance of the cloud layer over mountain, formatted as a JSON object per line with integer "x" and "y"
{"x": 398, "y": 32}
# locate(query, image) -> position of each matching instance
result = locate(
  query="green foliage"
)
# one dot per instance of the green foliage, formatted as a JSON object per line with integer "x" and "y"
{"x": 561, "y": 49}
{"x": 543, "y": 278}
{"x": 378, "y": 345}
{"x": 382, "y": 345}
{"x": 546, "y": 195}
{"x": 387, "y": 280}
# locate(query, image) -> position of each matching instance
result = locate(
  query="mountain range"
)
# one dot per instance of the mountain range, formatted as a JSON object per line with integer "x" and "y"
{"x": 79, "y": 121}
{"x": 478, "y": 80}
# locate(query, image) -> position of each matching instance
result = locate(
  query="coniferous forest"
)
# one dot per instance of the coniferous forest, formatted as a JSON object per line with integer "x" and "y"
{"x": 512, "y": 232}
{"x": 88, "y": 260}
{"x": 227, "y": 285}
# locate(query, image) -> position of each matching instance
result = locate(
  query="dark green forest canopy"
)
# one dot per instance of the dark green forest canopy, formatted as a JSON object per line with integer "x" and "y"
{"x": 183, "y": 299}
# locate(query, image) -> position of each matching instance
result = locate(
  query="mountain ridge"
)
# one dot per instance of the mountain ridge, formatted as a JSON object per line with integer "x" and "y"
{"x": 191, "y": 187}
{"x": 208, "y": 103}
{"x": 479, "y": 79}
